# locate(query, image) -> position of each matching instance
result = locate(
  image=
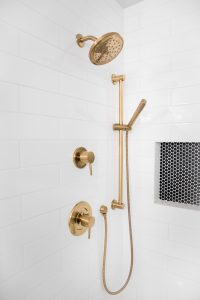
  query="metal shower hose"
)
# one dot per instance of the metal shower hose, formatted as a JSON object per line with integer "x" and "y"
{"x": 130, "y": 233}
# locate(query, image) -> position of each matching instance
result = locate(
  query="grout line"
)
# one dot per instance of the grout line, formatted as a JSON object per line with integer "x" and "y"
{"x": 52, "y": 117}
{"x": 56, "y": 93}
{"x": 58, "y": 71}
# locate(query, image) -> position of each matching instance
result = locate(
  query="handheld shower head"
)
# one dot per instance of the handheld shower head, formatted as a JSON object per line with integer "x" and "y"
{"x": 103, "y": 49}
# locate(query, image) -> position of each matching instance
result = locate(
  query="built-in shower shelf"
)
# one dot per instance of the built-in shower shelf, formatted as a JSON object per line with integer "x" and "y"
{"x": 178, "y": 174}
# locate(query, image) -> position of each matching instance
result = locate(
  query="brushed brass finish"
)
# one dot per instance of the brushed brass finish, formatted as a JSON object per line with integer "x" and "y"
{"x": 137, "y": 112}
{"x": 120, "y": 200}
{"x": 104, "y": 49}
{"x": 121, "y": 127}
{"x": 82, "y": 157}
{"x": 116, "y": 204}
{"x": 81, "y": 219}
{"x": 119, "y": 203}
{"x": 116, "y": 78}
{"x": 82, "y": 39}
{"x": 103, "y": 211}
{"x": 135, "y": 115}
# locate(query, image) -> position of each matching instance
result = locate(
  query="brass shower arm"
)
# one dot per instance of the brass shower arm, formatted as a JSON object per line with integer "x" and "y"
{"x": 82, "y": 39}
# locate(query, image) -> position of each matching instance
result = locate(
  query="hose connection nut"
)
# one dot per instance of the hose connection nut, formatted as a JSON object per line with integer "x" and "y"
{"x": 103, "y": 209}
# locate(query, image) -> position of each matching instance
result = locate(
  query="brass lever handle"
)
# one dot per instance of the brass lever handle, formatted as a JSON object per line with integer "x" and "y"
{"x": 88, "y": 222}
{"x": 81, "y": 219}
{"x": 90, "y": 166}
{"x": 82, "y": 157}
{"x": 87, "y": 157}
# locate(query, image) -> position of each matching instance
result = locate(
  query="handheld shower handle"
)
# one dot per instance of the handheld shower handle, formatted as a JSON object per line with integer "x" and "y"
{"x": 137, "y": 112}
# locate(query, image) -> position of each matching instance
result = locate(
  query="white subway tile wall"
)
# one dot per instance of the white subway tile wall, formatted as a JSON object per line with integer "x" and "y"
{"x": 52, "y": 100}
{"x": 162, "y": 65}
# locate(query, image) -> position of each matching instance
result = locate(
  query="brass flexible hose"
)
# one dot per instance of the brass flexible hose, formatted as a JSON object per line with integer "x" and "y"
{"x": 130, "y": 233}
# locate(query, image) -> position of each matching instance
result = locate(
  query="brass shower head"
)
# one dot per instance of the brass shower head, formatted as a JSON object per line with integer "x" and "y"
{"x": 104, "y": 49}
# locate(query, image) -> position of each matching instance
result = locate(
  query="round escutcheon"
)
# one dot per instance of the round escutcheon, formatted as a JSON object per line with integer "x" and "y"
{"x": 80, "y": 209}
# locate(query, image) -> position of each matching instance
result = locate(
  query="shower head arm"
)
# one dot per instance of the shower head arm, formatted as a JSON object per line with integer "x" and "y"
{"x": 82, "y": 39}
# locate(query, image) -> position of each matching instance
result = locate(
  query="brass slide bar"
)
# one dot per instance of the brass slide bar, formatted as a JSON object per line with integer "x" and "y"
{"x": 119, "y": 203}
{"x": 122, "y": 127}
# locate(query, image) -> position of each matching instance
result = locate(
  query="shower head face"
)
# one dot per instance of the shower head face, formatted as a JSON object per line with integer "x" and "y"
{"x": 106, "y": 48}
